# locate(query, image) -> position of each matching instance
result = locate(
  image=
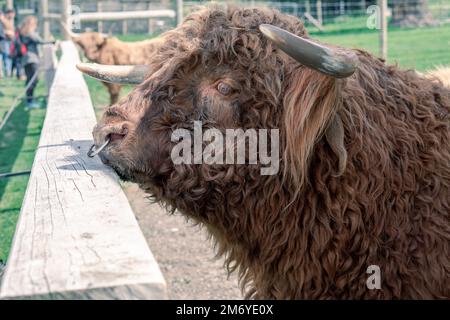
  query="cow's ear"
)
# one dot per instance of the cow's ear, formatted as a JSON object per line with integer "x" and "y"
{"x": 76, "y": 40}
{"x": 311, "y": 102}
{"x": 335, "y": 135}
{"x": 101, "y": 40}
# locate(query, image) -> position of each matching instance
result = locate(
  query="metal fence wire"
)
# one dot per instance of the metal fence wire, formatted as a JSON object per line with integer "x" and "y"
{"x": 402, "y": 13}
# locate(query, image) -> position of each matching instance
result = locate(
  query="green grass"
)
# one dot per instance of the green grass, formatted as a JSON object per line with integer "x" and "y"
{"x": 421, "y": 48}
{"x": 100, "y": 96}
{"x": 18, "y": 142}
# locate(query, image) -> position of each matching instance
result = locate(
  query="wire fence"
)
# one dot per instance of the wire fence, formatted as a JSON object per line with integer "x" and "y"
{"x": 404, "y": 13}
{"x": 152, "y": 26}
{"x": 350, "y": 14}
{"x": 361, "y": 23}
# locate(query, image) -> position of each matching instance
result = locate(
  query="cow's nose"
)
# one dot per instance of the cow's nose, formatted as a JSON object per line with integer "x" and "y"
{"x": 106, "y": 137}
{"x": 112, "y": 133}
{"x": 115, "y": 136}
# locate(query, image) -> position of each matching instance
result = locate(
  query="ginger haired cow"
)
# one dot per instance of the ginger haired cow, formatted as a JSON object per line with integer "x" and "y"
{"x": 364, "y": 173}
{"x": 106, "y": 49}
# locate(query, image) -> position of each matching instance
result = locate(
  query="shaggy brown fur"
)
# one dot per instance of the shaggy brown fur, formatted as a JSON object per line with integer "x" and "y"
{"x": 110, "y": 50}
{"x": 441, "y": 74}
{"x": 307, "y": 232}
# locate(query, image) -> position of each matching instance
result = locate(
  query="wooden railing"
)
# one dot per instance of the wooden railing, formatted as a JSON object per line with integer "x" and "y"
{"x": 77, "y": 237}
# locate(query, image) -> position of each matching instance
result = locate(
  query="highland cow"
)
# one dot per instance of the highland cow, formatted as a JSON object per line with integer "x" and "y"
{"x": 440, "y": 74}
{"x": 105, "y": 49}
{"x": 364, "y": 173}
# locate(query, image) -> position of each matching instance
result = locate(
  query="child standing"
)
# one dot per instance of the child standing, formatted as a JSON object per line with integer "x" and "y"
{"x": 7, "y": 22}
{"x": 30, "y": 39}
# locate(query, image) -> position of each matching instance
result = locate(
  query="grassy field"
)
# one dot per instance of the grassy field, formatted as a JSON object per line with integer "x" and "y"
{"x": 422, "y": 49}
{"x": 100, "y": 96}
{"x": 18, "y": 141}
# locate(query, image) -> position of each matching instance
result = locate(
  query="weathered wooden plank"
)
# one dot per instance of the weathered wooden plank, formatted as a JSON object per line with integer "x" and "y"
{"x": 77, "y": 237}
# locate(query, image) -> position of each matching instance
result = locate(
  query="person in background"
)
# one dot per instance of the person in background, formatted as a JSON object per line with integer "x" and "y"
{"x": 7, "y": 22}
{"x": 31, "y": 39}
{"x": 2, "y": 38}
{"x": 17, "y": 53}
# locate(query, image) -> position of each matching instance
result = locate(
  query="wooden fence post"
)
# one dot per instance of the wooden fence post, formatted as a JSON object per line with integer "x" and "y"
{"x": 124, "y": 22}
{"x": 46, "y": 20}
{"x": 319, "y": 11}
{"x": 383, "y": 29}
{"x": 65, "y": 18}
{"x": 179, "y": 12}
{"x": 149, "y": 21}
{"x": 100, "y": 22}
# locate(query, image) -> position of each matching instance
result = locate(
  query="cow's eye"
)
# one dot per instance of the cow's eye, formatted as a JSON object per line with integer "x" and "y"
{"x": 224, "y": 88}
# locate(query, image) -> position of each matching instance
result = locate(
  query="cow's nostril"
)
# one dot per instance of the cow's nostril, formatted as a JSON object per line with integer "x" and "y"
{"x": 116, "y": 136}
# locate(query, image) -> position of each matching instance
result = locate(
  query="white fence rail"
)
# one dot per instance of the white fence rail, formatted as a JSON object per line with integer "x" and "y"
{"x": 112, "y": 16}
{"x": 77, "y": 237}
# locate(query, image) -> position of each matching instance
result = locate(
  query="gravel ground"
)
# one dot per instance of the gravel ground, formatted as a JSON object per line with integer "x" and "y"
{"x": 184, "y": 254}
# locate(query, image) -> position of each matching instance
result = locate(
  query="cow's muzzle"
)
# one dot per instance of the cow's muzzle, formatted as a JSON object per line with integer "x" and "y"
{"x": 104, "y": 138}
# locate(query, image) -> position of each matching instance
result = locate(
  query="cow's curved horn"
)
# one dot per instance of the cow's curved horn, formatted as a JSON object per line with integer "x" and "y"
{"x": 115, "y": 74}
{"x": 70, "y": 32}
{"x": 337, "y": 63}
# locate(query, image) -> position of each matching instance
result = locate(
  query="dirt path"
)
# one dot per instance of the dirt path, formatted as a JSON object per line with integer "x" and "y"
{"x": 184, "y": 254}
